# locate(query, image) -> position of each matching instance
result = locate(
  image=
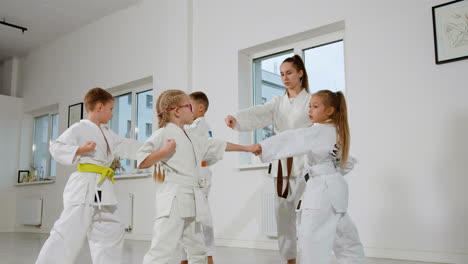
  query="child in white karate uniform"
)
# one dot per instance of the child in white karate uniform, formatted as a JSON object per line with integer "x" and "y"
{"x": 200, "y": 127}
{"x": 181, "y": 205}
{"x": 325, "y": 224}
{"x": 89, "y": 200}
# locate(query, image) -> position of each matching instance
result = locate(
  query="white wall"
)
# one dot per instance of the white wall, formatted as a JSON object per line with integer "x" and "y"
{"x": 408, "y": 116}
{"x": 1, "y": 78}
{"x": 11, "y": 109}
{"x": 9, "y": 70}
{"x": 6, "y": 77}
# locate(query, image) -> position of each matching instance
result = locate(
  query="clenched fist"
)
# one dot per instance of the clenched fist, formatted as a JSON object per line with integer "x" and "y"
{"x": 255, "y": 149}
{"x": 86, "y": 147}
{"x": 230, "y": 121}
{"x": 169, "y": 146}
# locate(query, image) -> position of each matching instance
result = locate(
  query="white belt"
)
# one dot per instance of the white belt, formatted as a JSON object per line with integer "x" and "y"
{"x": 202, "y": 211}
{"x": 185, "y": 180}
{"x": 319, "y": 169}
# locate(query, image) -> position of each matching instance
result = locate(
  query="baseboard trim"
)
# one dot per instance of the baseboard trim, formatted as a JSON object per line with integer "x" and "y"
{"x": 268, "y": 245}
{"x": 144, "y": 237}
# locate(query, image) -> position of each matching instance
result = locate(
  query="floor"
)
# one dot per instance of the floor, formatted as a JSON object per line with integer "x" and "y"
{"x": 23, "y": 248}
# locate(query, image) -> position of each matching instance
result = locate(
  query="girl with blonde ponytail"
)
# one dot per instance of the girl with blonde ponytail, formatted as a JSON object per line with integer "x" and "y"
{"x": 181, "y": 205}
{"x": 323, "y": 193}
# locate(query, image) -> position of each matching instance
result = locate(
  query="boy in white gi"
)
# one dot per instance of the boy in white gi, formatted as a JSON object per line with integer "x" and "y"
{"x": 324, "y": 222}
{"x": 200, "y": 103}
{"x": 181, "y": 206}
{"x": 89, "y": 201}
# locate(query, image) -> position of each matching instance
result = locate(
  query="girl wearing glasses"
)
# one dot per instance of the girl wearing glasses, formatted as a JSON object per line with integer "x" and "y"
{"x": 181, "y": 206}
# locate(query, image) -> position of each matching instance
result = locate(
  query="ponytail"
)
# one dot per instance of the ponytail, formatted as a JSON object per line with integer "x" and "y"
{"x": 340, "y": 119}
{"x": 342, "y": 128}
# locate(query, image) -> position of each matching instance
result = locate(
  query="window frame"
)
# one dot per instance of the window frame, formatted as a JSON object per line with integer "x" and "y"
{"x": 49, "y": 115}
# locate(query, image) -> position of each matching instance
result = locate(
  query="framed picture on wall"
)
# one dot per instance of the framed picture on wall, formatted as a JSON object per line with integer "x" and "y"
{"x": 75, "y": 113}
{"x": 22, "y": 175}
{"x": 450, "y": 25}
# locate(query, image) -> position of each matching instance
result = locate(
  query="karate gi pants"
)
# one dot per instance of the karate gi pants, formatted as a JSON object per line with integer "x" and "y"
{"x": 168, "y": 231}
{"x": 323, "y": 230}
{"x": 285, "y": 212}
{"x": 102, "y": 226}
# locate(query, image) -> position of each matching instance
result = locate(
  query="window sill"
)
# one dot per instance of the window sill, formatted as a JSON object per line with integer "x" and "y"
{"x": 132, "y": 175}
{"x": 255, "y": 166}
{"x": 35, "y": 183}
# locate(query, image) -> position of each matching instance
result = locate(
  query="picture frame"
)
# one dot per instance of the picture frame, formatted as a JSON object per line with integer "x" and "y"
{"x": 22, "y": 175}
{"x": 450, "y": 26}
{"x": 75, "y": 113}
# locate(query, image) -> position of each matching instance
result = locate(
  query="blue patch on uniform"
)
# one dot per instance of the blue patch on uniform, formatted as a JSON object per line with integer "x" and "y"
{"x": 210, "y": 133}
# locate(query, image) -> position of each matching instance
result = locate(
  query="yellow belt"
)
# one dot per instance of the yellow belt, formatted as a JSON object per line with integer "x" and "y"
{"x": 104, "y": 171}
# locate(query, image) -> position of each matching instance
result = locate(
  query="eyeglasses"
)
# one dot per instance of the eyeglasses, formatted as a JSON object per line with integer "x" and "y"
{"x": 179, "y": 106}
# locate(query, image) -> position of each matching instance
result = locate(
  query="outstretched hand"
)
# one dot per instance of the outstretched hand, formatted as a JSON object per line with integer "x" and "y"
{"x": 255, "y": 149}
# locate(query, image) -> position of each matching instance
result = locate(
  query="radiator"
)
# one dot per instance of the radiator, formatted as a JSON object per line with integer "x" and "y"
{"x": 30, "y": 212}
{"x": 268, "y": 215}
{"x": 125, "y": 211}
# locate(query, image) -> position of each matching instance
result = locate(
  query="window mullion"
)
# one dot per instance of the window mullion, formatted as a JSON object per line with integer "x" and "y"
{"x": 49, "y": 132}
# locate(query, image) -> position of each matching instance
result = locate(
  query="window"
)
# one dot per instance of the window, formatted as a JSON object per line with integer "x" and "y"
{"x": 325, "y": 67}
{"x": 149, "y": 101}
{"x": 144, "y": 119}
{"x": 324, "y": 61}
{"x": 45, "y": 129}
{"x": 267, "y": 83}
{"x": 149, "y": 129}
{"x": 130, "y": 113}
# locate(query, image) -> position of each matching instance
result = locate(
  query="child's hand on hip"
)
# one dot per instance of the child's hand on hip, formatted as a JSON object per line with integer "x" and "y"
{"x": 169, "y": 146}
{"x": 86, "y": 147}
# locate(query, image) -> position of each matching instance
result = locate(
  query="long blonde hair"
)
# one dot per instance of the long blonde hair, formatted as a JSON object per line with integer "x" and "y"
{"x": 340, "y": 119}
{"x": 167, "y": 99}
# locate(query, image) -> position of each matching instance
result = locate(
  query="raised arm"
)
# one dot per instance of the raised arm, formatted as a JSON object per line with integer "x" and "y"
{"x": 125, "y": 147}
{"x": 254, "y": 117}
{"x": 297, "y": 142}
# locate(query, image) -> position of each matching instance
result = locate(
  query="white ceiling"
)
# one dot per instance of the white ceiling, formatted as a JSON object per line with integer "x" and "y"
{"x": 47, "y": 20}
